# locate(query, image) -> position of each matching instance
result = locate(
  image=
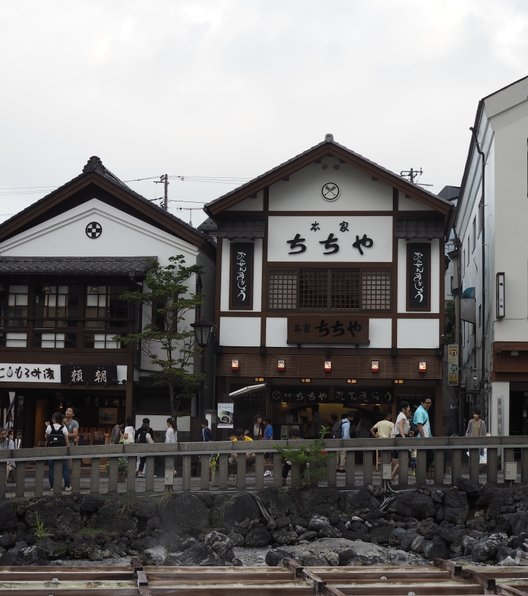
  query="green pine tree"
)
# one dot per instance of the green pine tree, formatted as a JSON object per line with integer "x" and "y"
{"x": 166, "y": 338}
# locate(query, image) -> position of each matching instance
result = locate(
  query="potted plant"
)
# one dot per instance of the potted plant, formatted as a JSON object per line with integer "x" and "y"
{"x": 122, "y": 467}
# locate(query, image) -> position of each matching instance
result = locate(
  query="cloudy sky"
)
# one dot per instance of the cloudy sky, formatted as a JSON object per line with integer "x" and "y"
{"x": 215, "y": 92}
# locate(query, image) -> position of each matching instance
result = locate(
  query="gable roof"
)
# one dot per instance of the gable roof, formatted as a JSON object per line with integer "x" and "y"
{"x": 112, "y": 191}
{"x": 327, "y": 148}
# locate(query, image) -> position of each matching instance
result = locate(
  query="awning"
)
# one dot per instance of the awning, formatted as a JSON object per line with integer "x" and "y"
{"x": 248, "y": 389}
{"x": 99, "y": 266}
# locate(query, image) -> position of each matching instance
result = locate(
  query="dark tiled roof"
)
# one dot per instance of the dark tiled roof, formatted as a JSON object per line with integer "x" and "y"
{"x": 129, "y": 266}
{"x": 410, "y": 228}
{"x": 241, "y": 229}
{"x": 449, "y": 193}
{"x": 207, "y": 226}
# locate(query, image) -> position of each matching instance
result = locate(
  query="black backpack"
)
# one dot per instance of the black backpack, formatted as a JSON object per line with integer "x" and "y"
{"x": 339, "y": 430}
{"x": 141, "y": 434}
{"x": 56, "y": 438}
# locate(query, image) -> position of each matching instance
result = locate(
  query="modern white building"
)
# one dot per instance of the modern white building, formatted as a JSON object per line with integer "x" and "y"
{"x": 490, "y": 223}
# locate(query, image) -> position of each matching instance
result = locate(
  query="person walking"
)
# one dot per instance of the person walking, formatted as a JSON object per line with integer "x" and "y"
{"x": 401, "y": 428}
{"x": 383, "y": 429}
{"x": 423, "y": 426}
{"x": 7, "y": 444}
{"x": 144, "y": 434}
{"x": 72, "y": 425}
{"x": 344, "y": 433}
{"x": 206, "y": 433}
{"x": 258, "y": 428}
{"x": 57, "y": 436}
{"x": 476, "y": 426}
{"x": 171, "y": 434}
{"x": 129, "y": 432}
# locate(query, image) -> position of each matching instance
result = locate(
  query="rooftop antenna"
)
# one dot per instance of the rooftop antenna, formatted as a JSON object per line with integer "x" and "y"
{"x": 411, "y": 174}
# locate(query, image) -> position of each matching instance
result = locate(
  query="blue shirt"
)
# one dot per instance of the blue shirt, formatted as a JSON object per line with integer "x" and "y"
{"x": 268, "y": 433}
{"x": 421, "y": 416}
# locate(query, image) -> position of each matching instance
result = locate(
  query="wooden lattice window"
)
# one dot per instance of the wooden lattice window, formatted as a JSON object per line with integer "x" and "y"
{"x": 329, "y": 289}
{"x": 282, "y": 289}
{"x": 376, "y": 290}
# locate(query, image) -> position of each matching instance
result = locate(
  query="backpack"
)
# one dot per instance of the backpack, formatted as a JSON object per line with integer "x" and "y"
{"x": 141, "y": 435}
{"x": 339, "y": 431}
{"x": 116, "y": 434}
{"x": 56, "y": 438}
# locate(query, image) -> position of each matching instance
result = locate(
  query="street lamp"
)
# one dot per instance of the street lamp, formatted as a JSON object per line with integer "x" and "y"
{"x": 203, "y": 330}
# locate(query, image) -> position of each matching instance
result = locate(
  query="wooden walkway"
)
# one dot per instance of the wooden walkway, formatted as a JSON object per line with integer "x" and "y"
{"x": 290, "y": 579}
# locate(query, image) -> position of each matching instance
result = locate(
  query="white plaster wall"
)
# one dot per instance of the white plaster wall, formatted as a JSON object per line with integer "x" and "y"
{"x": 358, "y": 192}
{"x": 240, "y": 331}
{"x": 123, "y": 235}
{"x": 418, "y": 333}
{"x": 377, "y": 228}
{"x": 251, "y": 204}
{"x": 380, "y": 333}
{"x": 408, "y": 204}
{"x": 511, "y": 219}
{"x": 437, "y": 260}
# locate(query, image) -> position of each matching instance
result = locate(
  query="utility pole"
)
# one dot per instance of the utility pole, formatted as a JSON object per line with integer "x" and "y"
{"x": 164, "y": 179}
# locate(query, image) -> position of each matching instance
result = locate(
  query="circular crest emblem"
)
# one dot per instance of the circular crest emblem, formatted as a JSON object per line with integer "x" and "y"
{"x": 93, "y": 230}
{"x": 330, "y": 191}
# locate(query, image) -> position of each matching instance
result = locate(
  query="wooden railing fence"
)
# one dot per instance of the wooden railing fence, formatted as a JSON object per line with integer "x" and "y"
{"x": 98, "y": 469}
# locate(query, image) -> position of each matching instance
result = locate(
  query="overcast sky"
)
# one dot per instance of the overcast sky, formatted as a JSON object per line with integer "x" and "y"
{"x": 224, "y": 90}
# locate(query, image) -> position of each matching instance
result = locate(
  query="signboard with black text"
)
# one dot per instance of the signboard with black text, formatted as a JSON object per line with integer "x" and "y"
{"x": 419, "y": 277}
{"x": 335, "y": 328}
{"x": 241, "y": 282}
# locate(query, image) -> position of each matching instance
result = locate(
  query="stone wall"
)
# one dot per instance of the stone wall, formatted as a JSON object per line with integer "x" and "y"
{"x": 318, "y": 526}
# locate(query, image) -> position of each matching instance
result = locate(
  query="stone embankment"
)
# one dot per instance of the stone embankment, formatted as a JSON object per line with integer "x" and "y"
{"x": 318, "y": 526}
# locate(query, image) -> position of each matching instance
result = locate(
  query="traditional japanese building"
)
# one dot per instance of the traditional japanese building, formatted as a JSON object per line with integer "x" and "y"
{"x": 330, "y": 290}
{"x": 64, "y": 263}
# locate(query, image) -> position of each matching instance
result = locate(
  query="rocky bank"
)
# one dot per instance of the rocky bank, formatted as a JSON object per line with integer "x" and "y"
{"x": 486, "y": 524}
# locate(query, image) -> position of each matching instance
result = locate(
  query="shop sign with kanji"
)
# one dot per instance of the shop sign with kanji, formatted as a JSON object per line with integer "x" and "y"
{"x": 330, "y": 238}
{"x": 78, "y": 374}
{"x": 335, "y": 328}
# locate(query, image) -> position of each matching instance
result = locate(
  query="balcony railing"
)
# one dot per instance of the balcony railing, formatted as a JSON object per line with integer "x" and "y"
{"x": 197, "y": 466}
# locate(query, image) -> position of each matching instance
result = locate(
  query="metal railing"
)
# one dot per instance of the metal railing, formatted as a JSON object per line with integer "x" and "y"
{"x": 197, "y": 466}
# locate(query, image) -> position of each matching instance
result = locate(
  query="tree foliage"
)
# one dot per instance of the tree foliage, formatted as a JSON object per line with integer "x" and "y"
{"x": 166, "y": 339}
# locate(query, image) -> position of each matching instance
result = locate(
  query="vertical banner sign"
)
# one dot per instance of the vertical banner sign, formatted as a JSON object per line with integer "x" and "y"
{"x": 419, "y": 277}
{"x": 452, "y": 365}
{"x": 241, "y": 283}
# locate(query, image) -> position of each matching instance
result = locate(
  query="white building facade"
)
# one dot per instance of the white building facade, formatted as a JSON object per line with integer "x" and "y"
{"x": 330, "y": 289}
{"x": 490, "y": 223}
